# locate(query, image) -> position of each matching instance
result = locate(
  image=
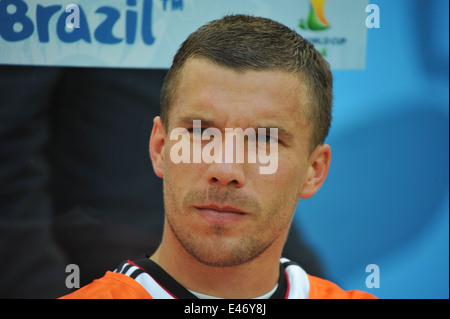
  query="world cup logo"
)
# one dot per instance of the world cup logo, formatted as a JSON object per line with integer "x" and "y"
{"x": 316, "y": 18}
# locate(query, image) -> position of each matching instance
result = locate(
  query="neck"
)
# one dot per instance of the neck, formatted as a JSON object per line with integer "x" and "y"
{"x": 260, "y": 274}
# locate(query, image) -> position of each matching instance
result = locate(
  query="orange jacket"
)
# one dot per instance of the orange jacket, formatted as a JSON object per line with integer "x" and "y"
{"x": 120, "y": 286}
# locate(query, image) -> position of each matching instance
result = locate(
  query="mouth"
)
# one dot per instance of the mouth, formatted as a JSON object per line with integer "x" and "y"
{"x": 220, "y": 215}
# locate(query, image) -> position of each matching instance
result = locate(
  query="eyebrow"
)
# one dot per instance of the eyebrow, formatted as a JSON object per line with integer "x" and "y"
{"x": 190, "y": 118}
{"x": 282, "y": 132}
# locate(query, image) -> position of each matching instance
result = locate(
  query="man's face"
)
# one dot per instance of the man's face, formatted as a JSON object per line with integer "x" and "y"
{"x": 225, "y": 214}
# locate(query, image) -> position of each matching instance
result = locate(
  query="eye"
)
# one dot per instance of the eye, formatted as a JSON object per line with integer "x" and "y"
{"x": 267, "y": 138}
{"x": 263, "y": 138}
{"x": 197, "y": 130}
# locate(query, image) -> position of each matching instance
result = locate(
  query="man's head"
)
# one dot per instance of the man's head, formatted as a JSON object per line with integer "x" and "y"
{"x": 242, "y": 72}
{"x": 246, "y": 43}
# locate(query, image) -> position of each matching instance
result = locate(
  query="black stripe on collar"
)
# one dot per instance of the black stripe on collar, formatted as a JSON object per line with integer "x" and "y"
{"x": 163, "y": 278}
{"x": 180, "y": 292}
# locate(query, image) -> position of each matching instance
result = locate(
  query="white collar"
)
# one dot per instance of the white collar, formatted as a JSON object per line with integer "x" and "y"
{"x": 203, "y": 296}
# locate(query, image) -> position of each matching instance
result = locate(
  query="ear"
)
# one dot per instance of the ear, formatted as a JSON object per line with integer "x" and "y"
{"x": 317, "y": 170}
{"x": 156, "y": 147}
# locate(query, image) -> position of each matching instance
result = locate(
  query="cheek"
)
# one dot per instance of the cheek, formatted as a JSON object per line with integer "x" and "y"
{"x": 281, "y": 192}
{"x": 174, "y": 180}
{"x": 179, "y": 179}
{"x": 290, "y": 175}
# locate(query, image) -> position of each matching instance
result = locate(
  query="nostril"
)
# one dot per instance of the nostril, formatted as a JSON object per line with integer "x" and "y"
{"x": 232, "y": 182}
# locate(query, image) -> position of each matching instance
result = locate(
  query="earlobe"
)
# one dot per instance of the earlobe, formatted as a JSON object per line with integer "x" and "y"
{"x": 156, "y": 146}
{"x": 317, "y": 171}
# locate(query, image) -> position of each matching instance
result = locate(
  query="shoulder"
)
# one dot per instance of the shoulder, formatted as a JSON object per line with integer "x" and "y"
{"x": 323, "y": 289}
{"x": 302, "y": 285}
{"x": 111, "y": 286}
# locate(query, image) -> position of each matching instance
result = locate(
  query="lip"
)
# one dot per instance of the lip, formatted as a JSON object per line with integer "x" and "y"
{"x": 221, "y": 215}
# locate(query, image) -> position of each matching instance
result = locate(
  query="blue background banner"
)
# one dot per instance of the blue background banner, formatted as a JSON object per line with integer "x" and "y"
{"x": 386, "y": 198}
{"x": 147, "y": 33}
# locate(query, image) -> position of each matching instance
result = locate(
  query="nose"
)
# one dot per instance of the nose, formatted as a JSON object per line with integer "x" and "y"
{"x": 225, "y": 170}
{"x": 226, "y": 174}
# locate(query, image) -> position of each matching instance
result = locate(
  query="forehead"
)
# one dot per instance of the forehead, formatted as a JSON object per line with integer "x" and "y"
{"x": 207, "y": 89}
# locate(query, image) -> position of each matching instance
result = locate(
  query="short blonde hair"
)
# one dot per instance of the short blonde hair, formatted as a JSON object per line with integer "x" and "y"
{"x": 242, "y": 43}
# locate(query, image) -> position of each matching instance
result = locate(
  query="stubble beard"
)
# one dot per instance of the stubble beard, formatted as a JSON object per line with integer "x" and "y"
{"x": 217, "y": 248}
